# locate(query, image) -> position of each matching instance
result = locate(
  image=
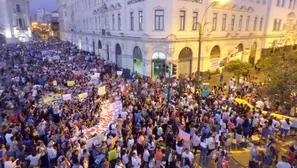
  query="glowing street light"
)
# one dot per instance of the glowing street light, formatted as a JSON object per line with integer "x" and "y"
{"x": 201, "y": 26}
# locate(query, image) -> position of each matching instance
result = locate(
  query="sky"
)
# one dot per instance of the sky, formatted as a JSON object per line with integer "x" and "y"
{"x": 48, "y": 5}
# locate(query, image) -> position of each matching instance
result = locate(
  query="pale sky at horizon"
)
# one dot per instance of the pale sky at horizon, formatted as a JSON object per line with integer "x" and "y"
{"x": 48, "y": 5}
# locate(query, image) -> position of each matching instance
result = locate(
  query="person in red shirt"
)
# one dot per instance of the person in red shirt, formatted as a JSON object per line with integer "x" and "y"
{"x": 158, "y": 156}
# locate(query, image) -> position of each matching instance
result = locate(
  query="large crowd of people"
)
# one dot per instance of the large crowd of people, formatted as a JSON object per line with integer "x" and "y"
{"x": 159, "y": 125}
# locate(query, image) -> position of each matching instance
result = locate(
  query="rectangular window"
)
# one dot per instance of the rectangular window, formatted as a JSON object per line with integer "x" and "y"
{"x": 99, "y": 23}
{"x": 195, "y": 20}
{"x": 232, "y": 22}
{"x": 255, "y": 23}
{"x": 261, "y": 24}
{"x": 159, "y": 19}
{"x": 131, "y": 21}
{"x": 182, "y": 17}
{"x": 20, "y": 23}
{"x": 224, "y": 22}
{"x": 240, "y": 23}
{"x": 275, "y": 25}
{"x": 214, "y": 21}
{"x": 140, "y": 19}
{"x": 279, "y": 25}
{"x": 294, "y": 3}
{"x": 278, "y": 3}
{"x": 18, "y": 8}
{"x": 247, "y": 23}
{"x": 119, "y": 21}
{"x": 283, "y": 4}
{"x": 113, "y": 22}
{"x": 264, "y": 2}
{"x": 290, "y": 3}
{"x": 258, "y": 1}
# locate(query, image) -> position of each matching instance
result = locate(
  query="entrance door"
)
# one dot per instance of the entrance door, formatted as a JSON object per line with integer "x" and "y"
{"x": 137, "y": 61}
{"x": 118, "y": 56}
{"x": 2, "y": 40}
{"x": 184, "y": 68}
{"x": 185, "y": 61}
{"x": 158, "y": 68}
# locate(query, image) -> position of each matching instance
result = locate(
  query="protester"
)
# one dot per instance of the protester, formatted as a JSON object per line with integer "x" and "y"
{"x": 68, "y": 108}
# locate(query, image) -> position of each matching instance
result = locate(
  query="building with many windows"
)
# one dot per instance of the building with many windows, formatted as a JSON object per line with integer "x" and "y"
{"x": 14, "y": 21}
{"x": 140, "y": 35}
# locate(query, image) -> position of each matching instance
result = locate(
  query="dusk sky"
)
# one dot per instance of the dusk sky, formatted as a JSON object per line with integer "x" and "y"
{"x": 48, "y": 5}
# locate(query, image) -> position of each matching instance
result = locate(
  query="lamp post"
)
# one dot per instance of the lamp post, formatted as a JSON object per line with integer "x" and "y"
{"x": 201, "y": 27}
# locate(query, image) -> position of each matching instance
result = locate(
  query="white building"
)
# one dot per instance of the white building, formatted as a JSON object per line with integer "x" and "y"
{"x": 14, "y": 21}
{"x": 141, "y": 35}
{"x": 40, "y": 15}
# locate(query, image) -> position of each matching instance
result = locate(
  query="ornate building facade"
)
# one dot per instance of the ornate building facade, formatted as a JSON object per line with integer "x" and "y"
{"x": 140, "y": 35}
{"x": 14, "y": 21}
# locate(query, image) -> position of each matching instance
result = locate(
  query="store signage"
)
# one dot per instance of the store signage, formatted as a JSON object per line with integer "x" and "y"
{"x": 133, "y": 1}
{"x": 195, "y": 1}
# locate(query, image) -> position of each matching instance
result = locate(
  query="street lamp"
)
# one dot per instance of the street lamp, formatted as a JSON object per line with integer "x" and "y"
{"x": 201, "y": 26}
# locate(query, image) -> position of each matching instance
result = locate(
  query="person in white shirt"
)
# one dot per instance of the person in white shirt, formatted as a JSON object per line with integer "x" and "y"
{"x": 34, "y": 159}
{"x": 285, "y": 127}
{"x": 119, "y": 164}
{"x": 52, "y": 154}
{"x": 203, "y": 150}
{"x": 136, "y": 161}
{"x": 284, "y": 163}
{"x": 145, "y": 157}
{"x": 211, "y": 144}
{"x": 9, "y": 163}
{"x": 152, "y": 161}
{"x": 125, "y": 158}
{"x": 8, "y": 136}
{"x": 189, "y": 155}
{"x": 178, "y": 148}
{"x": 196, "y": 139}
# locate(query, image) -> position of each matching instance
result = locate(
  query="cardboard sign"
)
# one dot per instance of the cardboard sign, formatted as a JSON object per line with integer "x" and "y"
{"x": 112, "y": 155}
{"x": 119, "y": 73}
{"x": 66, "y": 97}
{"x": 70, "y": 83}
{"x": 81, "y": 96}
{"x": 55, "y": 83}
{"x": 48, "y": 99}
{"x": 57, "y": 97}
{"x": 101, "y": 90}
{"x": 183, "y": 135}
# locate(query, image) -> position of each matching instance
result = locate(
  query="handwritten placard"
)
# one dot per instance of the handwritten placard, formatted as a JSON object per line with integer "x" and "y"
{"x": 70, "y": 83}
{"x": 101, "y": 90}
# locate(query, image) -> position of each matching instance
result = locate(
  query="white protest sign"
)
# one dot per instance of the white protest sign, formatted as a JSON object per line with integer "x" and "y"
{"x": 55, "y": 83}
{"x": 66, "y": 96}
{"x": 56, "y": 57}
{"x": 119, "y": 73}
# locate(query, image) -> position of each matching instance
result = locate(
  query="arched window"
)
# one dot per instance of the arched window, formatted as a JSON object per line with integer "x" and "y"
{"x": 215, "y": 52}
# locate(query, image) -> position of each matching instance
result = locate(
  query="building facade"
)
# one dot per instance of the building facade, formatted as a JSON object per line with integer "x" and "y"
{"x": 140, "y": 35}
{"x": 14, "y": 21}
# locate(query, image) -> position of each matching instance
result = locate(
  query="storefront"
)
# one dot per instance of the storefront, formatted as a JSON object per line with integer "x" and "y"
{"x": 185, "y": 61}
{"x": 118, "y": 52}
{"x": 158, "y": 62}
{"x": 253, "y": 53}
{"x": 99, "y": 49}
{"x": 215, "y": 55}
{"x": 137, "y": 61}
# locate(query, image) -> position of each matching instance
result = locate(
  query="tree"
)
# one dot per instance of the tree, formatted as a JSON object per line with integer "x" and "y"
{"x": 238, "y": 68}
{"x": 282, "y": 80}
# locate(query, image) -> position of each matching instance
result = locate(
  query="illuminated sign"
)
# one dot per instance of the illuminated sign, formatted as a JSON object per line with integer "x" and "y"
{"x": 133, "y": 1}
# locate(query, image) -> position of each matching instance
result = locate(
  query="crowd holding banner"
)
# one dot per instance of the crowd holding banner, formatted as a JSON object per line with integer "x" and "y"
{"x": 70, "y": 109}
